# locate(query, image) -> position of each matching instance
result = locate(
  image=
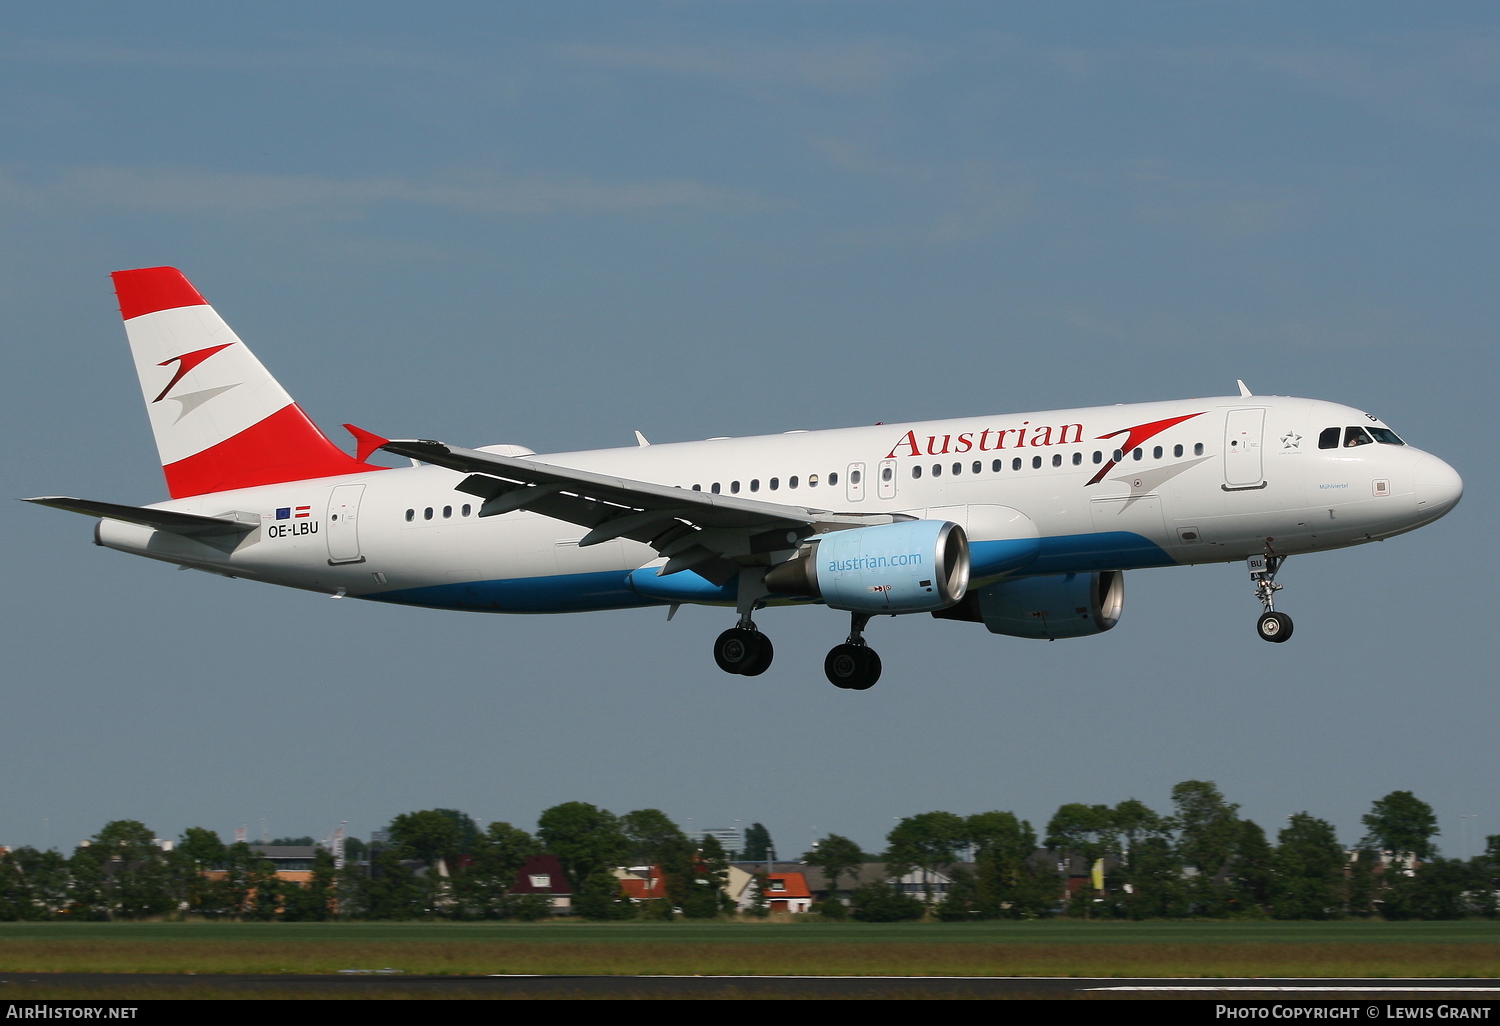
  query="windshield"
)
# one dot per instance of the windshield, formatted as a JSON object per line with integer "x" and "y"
{"x": 1386, "y": 436}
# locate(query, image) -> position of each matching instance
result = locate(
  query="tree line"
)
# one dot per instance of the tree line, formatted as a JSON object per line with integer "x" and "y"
{"x": 1094, "y": 861}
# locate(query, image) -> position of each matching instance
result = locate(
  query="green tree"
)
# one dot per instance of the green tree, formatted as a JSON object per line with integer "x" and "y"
{"x": 122, "y": 874}
{"x": 585, "y": 839}
{"x": 757, "y": 844}
{"x": 482, "y": 889}
{"x": 393, "y": 890}
{"x": 1006, "y": 884}
{"x": 882, "y": 903}
{"x": 434, "y": 835}
{"x": 1207, "y": 827}
{"x": 707, "y": 896}
{"x": 1156, "y": 888}
{"x": 1250, "y": 871}
{"x": 1208, "y": 831}
{"x": 1402, "y": 823}
{"x": 33, "y": 884}
{"x": 1086, "y": 831}
{"x": 835, "y": 855}
{"x": 1308, "y": 870}
{"x": 928, "y": 841}
{"x": 600, "y": 898}
{"x": 1363, "y": 886}
{"x": 1131, "y": 823}
{"x": 661, "y": 846}
{"x": 311, "y": 902}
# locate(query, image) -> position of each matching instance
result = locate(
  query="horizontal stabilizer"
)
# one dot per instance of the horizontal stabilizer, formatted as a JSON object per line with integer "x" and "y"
{"x": 189, "y": 524}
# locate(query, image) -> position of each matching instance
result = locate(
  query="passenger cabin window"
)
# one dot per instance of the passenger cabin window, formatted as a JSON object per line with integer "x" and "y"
{"x": 1116, "y": 456}
{"x": 916, "y": 471}
{"x": 734, "y": 487}
{"x": 755, "y": 484}
{"x": 812, "y": 480}
{"x": 697, "y": 488}
{"x": 1098, "y": 456}
{"x": 1354, "y": 436}
{"x": 997, "y": 465}
{"x": 937, "y": 470}
{"x": 958, "y": 468}
{"x": 1198, "y": 449}
{"x": 1036, "y": 463}
{"x": 855, "y": 477}
{"x": 1137, "y": 454}
{"x": 1077, "y": 459}
{"x": 977, "y": 467}
{"x": 714, "y": 488}
{"x": 410, "y": 514}
{"x": 1057, "y": 459}
{"x": 775, "y": 483}
{"x": 467, "y": 509}
{"x": 1156, "y": 453}
{"x": 886, "y": 473}
{"x": 791, "y": 482}
{"x": 833, "y": 479}
{"x": 1176, "y": 450}
{"x": 447, "y": 512}
{"x": 1015, "y": 464}
{"x": 1329, "y": 438}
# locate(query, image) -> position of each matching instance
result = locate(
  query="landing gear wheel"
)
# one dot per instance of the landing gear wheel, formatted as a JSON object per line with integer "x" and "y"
{"x": 743, "y": 651}
{"x": 761, "y": 661}
{"x": 1275, "y": 627}
{"x": 852, "y": 667}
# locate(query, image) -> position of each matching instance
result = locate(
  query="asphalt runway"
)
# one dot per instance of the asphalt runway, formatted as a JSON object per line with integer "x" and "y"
{"x": 30, "y": 986}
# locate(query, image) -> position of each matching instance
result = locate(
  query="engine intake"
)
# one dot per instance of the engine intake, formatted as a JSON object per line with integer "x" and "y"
{"x": 915, "y": 566}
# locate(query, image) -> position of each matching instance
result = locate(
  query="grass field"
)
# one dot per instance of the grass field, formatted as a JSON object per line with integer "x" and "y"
{"x": 1461, "y": 949}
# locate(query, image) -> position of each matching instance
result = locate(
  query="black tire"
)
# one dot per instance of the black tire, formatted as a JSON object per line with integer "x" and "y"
{"x": 852, "y": 667}
{"x": 872, "y": 671}
{"x": 1275, "y": 627}
{"x": 761, "y": 661}
{"x": 738, "y": 649}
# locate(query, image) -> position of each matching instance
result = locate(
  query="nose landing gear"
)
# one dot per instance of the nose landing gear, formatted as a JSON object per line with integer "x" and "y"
{"x": 854, "y": 665}
{"x": 1272, "y": 626}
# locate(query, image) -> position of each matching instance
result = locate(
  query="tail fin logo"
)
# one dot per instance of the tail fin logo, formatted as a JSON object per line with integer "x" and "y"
{"x": 185, "y": 363}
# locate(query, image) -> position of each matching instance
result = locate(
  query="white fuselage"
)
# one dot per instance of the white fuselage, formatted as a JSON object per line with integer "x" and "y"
{"x": 1237, "y": 477}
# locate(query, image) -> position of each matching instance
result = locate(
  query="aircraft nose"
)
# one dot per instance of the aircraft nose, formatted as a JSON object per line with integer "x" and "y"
{"x": 1438, "y": 486}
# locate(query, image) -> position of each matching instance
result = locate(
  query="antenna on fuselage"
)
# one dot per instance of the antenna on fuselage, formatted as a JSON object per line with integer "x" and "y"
{"x": 1245, "y": 392}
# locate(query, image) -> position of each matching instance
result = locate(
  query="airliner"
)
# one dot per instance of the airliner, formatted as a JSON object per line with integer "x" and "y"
{"x": 1024, "y": 523}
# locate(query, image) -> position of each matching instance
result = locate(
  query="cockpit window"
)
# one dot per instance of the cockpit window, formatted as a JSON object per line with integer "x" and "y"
{"x": 1329, "y": 439}
{"x": 1356, "y": 436}
{"x": 1385, "y": 436}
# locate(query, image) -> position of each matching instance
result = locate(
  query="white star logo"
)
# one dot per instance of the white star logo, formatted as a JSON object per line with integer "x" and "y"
{"x": 1290, "y": 440}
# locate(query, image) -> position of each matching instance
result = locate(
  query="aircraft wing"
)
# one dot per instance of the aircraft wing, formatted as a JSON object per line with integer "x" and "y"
{"x": 190, "y": 524}
{"x": 713, "y": 535}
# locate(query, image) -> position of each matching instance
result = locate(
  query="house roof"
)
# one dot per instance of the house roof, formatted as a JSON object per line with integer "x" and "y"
{"x": 793, "y": 885}
{"x": 541, "y": 865}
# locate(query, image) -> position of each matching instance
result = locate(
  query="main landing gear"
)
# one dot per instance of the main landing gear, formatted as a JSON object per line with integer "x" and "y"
{"x": 744, "y": 650}
{"x": 1272, "y": 626}
{"x": 854, "y": 665}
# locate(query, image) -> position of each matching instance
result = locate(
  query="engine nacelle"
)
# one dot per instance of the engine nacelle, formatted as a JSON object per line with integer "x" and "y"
{"x": 915, "y": 566}
{"x": 1062, "y": 606}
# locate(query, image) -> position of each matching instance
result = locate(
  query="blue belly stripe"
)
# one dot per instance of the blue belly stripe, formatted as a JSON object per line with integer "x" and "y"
{"x": 612, "y": 589}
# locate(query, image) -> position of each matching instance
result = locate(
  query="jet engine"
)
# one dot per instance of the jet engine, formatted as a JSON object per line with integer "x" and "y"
{"x": 915, "y": 566}
{"x": 1062, "y": 606}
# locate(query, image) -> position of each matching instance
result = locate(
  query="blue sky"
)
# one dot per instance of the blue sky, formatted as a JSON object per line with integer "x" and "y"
{"x": 557, "y": 223}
